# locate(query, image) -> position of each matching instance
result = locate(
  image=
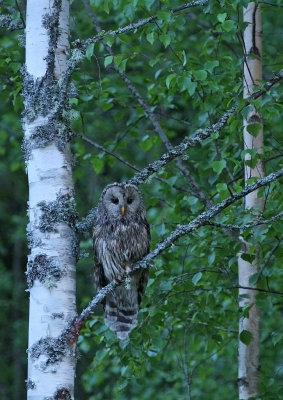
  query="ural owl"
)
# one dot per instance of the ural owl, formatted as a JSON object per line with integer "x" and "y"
{"x": 121, "y": 237}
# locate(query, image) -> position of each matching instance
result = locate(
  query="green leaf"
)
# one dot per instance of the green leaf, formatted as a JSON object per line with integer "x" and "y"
{"x": 210, "y": 65}
{"x": 89, "y": 51}
{"x": 169, "y": 79}
{"x": 122, "y": 66}
{"x": 211, "y": 258}
{"x": 276, "y": 337}
{"x": 248, "y": 257}
{"x": 151, "y": 37}
{"x": 200, "y": 74}
{"x": 164, "y": 15}
{"x": 218, "y": 166}
{"x": 165, "y": 39}
{"x": 108, "y": 60}
{"x": 129, "y": 11}
{"x": 214, "y": 135}
{"x": 118, "y": 59}
{"x": 254, "y": 279}
{"x": 106, "y": 6}
{"x": 221, "y": 187}
{"x": 196, "y": 278}
{"x": 221, "y": 17}
{"x": 187, "y": 84}
{"x": 254, "y": 129}
{"x": 97, "y": 164}
{"x": 184, "y": 56}
{"x": 228, "y": 25}
{"x": 246, "y": 337}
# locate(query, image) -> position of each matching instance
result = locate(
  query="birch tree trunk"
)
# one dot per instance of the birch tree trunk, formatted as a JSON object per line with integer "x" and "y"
{"x": 248, "y": 366}
{"x": 51, "y": 234}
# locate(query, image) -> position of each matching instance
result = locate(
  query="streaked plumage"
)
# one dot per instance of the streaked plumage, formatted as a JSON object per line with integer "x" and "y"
{"x": 121, "y": 237}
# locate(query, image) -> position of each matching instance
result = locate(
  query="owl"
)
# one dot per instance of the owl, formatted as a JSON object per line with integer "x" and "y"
{"x": 121, "y": 237}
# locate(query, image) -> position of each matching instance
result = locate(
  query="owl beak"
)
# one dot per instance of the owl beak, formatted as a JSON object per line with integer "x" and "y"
{"x": 123, "y": 210}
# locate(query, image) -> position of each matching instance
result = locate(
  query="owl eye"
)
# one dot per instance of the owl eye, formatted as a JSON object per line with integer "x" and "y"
{"x": 114, "y": 200}
{"x": 129, "y": 200}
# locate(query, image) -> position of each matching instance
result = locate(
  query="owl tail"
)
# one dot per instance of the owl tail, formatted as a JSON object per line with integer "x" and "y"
{"x": 121, "y": 311}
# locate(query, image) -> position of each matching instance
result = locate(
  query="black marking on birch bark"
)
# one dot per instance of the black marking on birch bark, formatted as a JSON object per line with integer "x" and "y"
{"x": 32, "y": 239}
{"x": 54, "y": 349}
{"x": 57, "y": 315}
{"x": 63, "y": 209}
{"x": 62, "y": 394}
{"x": 254, "y": 49}
{"x": 254, "y": 118}
{"x": 30, "y": 384}
{"x": 46, "y": 269}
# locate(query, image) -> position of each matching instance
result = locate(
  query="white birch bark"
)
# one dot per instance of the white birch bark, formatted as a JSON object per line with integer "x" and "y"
{"x": 248, "y": 363}
{"x": 52, "y": 304}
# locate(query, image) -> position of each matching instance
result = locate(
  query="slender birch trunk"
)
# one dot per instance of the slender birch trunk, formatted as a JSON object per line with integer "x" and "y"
{"x": 51, "y": 263}
{"x": 248, "y": 366}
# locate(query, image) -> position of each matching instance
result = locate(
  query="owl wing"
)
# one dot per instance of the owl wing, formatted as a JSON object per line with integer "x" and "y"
{"x": 144, "y": 272}
{"x": 99, "y": 276}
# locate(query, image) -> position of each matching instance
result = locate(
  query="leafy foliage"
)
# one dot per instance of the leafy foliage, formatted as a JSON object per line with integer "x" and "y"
{"x": 187, "y": 68}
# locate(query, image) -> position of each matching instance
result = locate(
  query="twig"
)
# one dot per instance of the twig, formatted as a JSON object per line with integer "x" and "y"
{"x": 273, "y": 250}
{"x": 256, "y": 222}
{"x": 111, "y": 153}
{"x": 256, "y": 289}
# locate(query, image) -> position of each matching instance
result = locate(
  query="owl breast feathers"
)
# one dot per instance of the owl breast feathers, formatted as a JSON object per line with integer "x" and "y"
{"x": 121, "y": 237}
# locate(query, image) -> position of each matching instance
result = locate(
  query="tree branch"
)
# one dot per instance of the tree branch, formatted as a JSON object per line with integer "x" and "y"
{"x": 78, "y": 53}
{"x": 195, "y": 189}
{"x": 256, "y": 222}
{"x": 178, "y": 150}
{"x": 138, "y": 24}
{"x": 200, "y": 135}
{"x": 130, "y": 165}
{"x": 71, "y": 333}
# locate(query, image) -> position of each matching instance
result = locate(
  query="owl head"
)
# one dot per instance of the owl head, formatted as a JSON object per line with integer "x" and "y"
{"x": 121, "y": 201}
